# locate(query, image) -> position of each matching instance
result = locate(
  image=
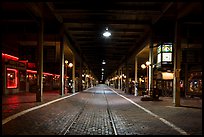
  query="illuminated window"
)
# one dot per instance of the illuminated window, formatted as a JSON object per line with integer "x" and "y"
{"x": 159, "y": 58}
{"x": 167, "y": 57}
{"x": 12, "y": 79}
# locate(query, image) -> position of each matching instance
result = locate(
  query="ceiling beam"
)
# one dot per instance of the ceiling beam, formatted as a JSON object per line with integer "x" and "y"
{"x": 108, "y": 21}
{"x": 103, "y": 5}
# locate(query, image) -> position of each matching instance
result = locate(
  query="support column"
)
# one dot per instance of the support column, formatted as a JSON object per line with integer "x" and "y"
{"x": 136, "y": 81}
{"x": 80, "y": 76}
{"x": 186, "y": 84}
{"x": 177, "y": 65}
{"x": 151, "y": 57}
{"x": 73, "y": 74}
{"x": 118, "y": 78}
{"x": 39, "y": 92}
{"x": 127, "y": 78}
{"x": 61, "y": 92}
{"x": 121, "y": 80}
{"x": 90, "y": 78}
{"x": 114, "y": 81}
{"x": 122, "y": 83}
{"x": 87, "y": 79}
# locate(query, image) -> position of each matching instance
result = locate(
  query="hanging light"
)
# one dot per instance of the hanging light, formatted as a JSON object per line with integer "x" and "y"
{"x": 106, "y": 33}
{"x": 103, "y": 62}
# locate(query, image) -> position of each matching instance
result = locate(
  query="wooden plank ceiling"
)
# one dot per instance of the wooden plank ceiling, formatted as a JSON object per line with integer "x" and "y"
{"x": 128, "y": 21}
{"x": 84, "y": 22}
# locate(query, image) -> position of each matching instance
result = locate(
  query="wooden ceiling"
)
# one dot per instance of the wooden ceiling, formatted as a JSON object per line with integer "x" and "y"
{"x": 130, "y": 22}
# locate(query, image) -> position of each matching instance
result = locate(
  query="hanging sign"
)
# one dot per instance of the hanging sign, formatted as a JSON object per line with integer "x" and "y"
{"x": 164, "y": 54}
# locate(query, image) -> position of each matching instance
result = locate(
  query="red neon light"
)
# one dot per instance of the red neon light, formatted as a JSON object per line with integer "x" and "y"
{"x": 23, "y": 61}
{"x": 13, "y": 84}
{"x": 44, "y": 73}
{"x": 31, "y": 65}
{"x": 31, "y": 71}
{"x": 10, "y": 57}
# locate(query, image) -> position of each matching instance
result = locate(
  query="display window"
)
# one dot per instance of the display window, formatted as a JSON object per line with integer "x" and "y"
{"x": 195, "y": 84}
{"x": 32, "y": 78}
{"x": 12, "y": 78}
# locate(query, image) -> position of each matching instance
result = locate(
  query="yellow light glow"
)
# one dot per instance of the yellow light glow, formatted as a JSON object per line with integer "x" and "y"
{"x": 148, "y": 63}
{"x": 167, "y": 75}
{"x": 143, "y": 66}
{"x": 70, "y": 65}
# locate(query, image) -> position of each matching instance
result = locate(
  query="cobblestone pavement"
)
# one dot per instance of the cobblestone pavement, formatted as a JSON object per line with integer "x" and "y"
{"x": 12, "y": 104}
{"x": 188, "y": 116}
{"x": 89, "y": 113}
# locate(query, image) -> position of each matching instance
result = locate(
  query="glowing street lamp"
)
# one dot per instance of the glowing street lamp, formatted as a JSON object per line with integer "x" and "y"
{"x": 143, "y": 66}
{"x": 148, "y": 63}
{"x": 70, "y": 65}
{"x": 66, "y": 62}
{"x": 66, "y": 65}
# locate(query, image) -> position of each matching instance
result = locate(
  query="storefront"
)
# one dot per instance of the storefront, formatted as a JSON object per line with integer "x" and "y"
{"x": 18, "y": 76}
{"x": 195, "y": 84}
{"x": 14, "y": 74}
{"x": 164, "y": 83}
{"x": 50, "y": 81}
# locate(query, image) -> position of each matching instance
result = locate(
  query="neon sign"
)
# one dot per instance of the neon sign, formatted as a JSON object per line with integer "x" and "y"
{"x": 12, "y": 78}
{"x": 7, "y": 56}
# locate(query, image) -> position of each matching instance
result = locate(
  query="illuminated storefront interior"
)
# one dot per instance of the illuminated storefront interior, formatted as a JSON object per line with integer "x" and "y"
{"x": 12, "y": 78}
{"x": 20, "y": 79}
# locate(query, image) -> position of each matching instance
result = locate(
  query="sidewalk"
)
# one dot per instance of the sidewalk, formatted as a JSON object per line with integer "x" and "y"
{"x": 12, "y": 104}
{"x": 187, "y": 102}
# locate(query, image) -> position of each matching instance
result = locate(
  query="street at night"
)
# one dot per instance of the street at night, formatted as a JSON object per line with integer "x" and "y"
{"x": 105, "y": 111}
{"x": 102, "y": 67}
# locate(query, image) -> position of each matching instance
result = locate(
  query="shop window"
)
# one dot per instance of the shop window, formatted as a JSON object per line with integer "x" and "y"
{"x": 195, "y": 84}
{"x": 12, "y": 78}
{"x": 22, "y": 80}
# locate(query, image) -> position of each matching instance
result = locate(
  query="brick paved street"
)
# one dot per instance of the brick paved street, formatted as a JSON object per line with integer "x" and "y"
{"x": 89, "y": 113}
